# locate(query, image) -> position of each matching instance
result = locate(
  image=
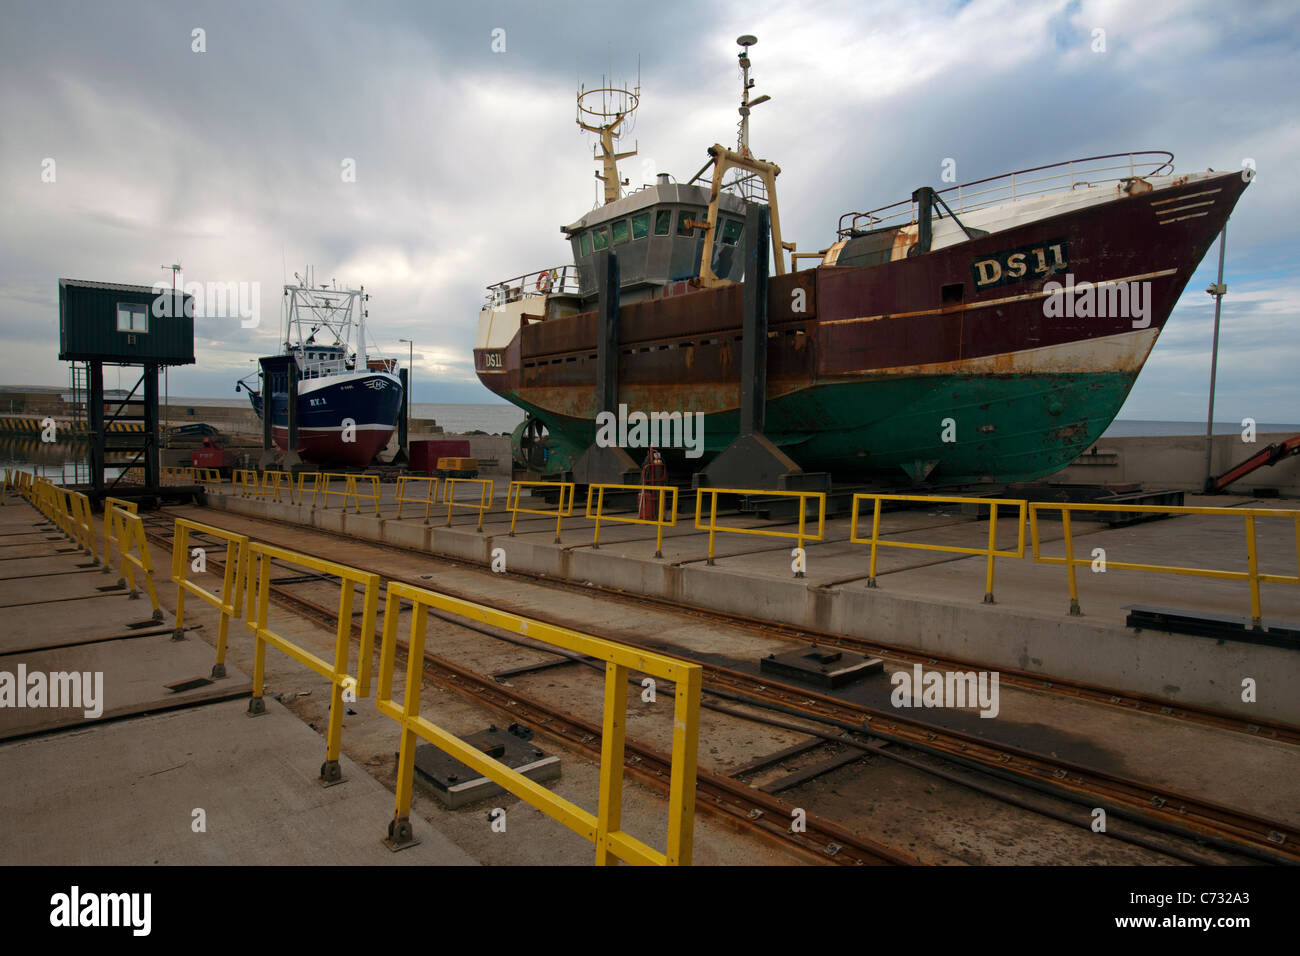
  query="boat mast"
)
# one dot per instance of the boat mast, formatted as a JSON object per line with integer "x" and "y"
{"x": 616, "y": 105}
{"x": 724, "y": 159}
{"x": 362, "y": 312}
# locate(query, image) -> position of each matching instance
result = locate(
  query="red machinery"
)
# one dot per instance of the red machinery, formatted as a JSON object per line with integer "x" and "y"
{"x": 654, "y": 472}
{"x": 1270, "y": 455}
{"x": 212, "y": 455}
{"x": 425, "y": 454}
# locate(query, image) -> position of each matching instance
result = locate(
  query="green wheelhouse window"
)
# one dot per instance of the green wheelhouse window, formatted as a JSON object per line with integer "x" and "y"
{"x": 641, "y": 225}
{"x": 731, "y": 230}
{"x": 584, "y": 243}
{"x": 663, "y": 222}
{"x": 620, "y": 231}
{"x": 682, "y": 218}
{"x": 599, "y": 239}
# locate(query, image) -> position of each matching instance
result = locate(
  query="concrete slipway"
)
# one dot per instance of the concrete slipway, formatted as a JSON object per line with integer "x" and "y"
{"x": 928, "y": 601}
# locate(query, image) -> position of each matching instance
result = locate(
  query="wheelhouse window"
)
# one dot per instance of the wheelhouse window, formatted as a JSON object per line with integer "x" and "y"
{"x": 663, "y": 222}
{"x": 584, "y": 243}
{"x": 132, "y": 317}
{"x": 685, "y": 216}
{"x": 600, "y": 239}
{"x": 641, "y": 225}
{"x": 620, "y": 231}
{"x": 731, "y": 230}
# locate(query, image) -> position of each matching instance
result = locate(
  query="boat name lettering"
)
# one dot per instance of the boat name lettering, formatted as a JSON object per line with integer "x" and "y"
{"x": 1018, "y": 265}
{"x": 493, "y": 360}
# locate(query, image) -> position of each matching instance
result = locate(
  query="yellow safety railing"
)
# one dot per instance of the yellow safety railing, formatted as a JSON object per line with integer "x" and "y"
{"x": 83, "y": 523}
{"x": 990, "y": 551}
{"x": 661, "y": 508}
{"x": 245, "y": 482}
{"x": 110, "y": 527}
{"x": 1252, "y": 574}
{"x": 208, "y": 476}
{"x": 302, "y": 486}
{"x": 58, "y": 498}
{"x": 178, "y": 476}
{"x": 272, "y": 484}
{"x": 800, "y": 536}
{"x": 486, "y": 488}
{"x": 22, "y": 483}
{"x": 605, "y": 827}
{"x": 230, "y": 601}
{"x": 259, "y": 583}
{"x": 560, "y": 512}
{"x": 351, "y": 490}
{"x": 430, "y": 493}
{"x": 133, "y": 550}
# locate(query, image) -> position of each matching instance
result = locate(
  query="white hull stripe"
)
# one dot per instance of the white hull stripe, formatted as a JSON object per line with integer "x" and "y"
{"x": 344, "y": 378}
{"x": 1125, "y": 352}
{"x": 302, "y": 430}
{"x": 1207, "y": 192}
{"x": 994, "y": 302}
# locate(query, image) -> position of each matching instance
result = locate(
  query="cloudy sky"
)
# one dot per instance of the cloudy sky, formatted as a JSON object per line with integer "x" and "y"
{"x": 467, "y": 159}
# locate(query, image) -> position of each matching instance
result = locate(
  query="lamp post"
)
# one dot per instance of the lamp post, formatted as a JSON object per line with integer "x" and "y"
{"x": 410, "y": 380}
{"x": 175, "y": 268}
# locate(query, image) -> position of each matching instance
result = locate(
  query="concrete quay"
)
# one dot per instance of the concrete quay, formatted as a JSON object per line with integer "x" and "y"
{"x": 108, "y": 764}
{"x": 924, "y": 600}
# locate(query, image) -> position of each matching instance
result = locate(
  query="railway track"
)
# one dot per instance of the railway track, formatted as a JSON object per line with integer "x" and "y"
{"x": 1156, "y": 807}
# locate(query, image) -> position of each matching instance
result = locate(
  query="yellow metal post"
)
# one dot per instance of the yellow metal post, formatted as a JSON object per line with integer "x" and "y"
{"x": 1069, "y": 562}
{"x": 875, "y": 543}
{"x": 1252, "y": 553}
{"x": 681, "y": 787}
{"x": 609, "y": 814}
{"x": 993, "y": 547}
{"x": 803, "y": 517}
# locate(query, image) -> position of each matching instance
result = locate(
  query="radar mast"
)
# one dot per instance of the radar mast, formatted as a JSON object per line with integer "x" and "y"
{"x": 607, "y": 112}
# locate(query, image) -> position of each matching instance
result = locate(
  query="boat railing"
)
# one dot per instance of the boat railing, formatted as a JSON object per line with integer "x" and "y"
{"x": 1021, "y": 184}
{"x": 552, "y": 281}
{"x": 323, "y": 369}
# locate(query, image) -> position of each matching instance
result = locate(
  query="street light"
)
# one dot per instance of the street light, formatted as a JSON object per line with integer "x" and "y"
{"x": 167, "y": 394}
{"x": 410, "y": 378}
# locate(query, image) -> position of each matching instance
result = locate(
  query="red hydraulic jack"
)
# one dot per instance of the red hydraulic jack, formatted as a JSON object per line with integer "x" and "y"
{"x": 653, "y": 472}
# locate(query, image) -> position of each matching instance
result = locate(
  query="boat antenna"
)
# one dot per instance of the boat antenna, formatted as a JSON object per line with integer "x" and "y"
{"x": 607, "y": 112}
{"x": 746, "y": 104}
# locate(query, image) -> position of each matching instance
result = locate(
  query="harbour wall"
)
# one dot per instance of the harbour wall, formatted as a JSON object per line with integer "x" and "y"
{"x": 1178, "y": 462}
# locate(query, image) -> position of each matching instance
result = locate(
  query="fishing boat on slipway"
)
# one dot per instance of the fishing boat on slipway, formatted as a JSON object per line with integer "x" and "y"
{"x": 988, "y": 331}
{"x": 347, "y": 403}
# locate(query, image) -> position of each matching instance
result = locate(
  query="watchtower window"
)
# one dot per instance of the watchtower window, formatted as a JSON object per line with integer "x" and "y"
{"x": 663, "y": 222}
{"x": 600, "y": 238}
{"x": 584, "y": 243}
{"x": 641, "y": 225}
{"x": 620, "y": 231}
{"x": 731, "y": 229}
{"x": 132, "y": 317}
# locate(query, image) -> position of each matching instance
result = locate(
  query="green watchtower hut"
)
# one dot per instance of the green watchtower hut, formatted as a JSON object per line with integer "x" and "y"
{"x": 107, "y": 323}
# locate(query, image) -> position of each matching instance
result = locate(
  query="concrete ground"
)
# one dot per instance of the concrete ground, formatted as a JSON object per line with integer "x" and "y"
{"x": 938, "y": 821}
{"x": 137, "y": 773}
